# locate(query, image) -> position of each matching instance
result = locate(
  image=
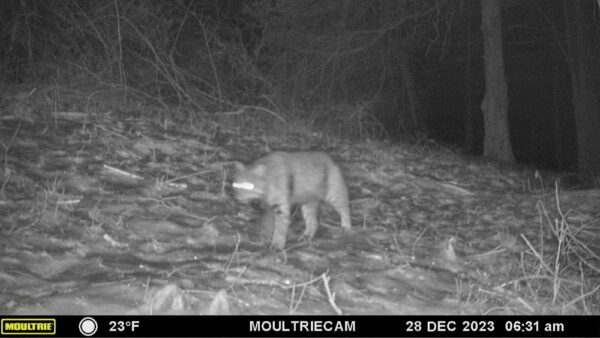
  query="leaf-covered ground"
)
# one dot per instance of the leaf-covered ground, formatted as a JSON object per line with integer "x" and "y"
{"x": 131, "y": 213}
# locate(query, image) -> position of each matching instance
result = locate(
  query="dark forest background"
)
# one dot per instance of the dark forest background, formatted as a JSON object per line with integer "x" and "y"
{"x": 359, "y": 69}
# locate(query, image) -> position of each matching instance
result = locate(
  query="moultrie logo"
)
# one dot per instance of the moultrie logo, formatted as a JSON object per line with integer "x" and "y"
{"x": 28, "y": 326}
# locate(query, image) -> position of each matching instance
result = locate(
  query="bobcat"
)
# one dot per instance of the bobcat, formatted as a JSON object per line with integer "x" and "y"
{"x": 282, "y": 179}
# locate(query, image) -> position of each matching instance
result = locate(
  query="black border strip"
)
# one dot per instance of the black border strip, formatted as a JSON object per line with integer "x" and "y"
{"x": 327, "y": 326}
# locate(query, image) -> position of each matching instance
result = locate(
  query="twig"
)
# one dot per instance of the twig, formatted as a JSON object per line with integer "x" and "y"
{"x": 417, "y": 240}
{"x": 110, "y": 131}
{"x": 210, "y": 58}
{"x": 330, "y": 295}
{"x": 122, "y": 172}
{"x": 120, "y": 63}
{"x": 234, "y": 253}
{"x": 188, "y": 176}
{"x": 7, "y": 172}
{"x": 536, "y": 254}
{"x": 583, "y": 296}
{"x": 293, "y": 307}
{"x": 268, "y": 282}
{"x": 266, "y": 110}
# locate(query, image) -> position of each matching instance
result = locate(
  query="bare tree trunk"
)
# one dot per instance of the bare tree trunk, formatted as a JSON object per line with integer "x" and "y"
{"x": 557, "y": 113}
{"x": 583, "y": 53}
{"x": 496, "y": 143}
{"x": 410, "y": 121}
{"x": 469, "y": 123}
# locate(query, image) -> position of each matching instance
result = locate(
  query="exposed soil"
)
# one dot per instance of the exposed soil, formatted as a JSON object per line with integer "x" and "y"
{"x": 114, "y": 214}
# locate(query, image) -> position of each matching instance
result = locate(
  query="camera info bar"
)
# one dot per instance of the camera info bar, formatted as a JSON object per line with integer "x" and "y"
{"x": 300, "y": 326}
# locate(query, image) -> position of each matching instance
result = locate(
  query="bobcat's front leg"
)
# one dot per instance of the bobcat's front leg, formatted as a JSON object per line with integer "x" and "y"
{"x": 267, "y": 223}
{"x": 309, "y": 213}
{"x": 282, "y": 223}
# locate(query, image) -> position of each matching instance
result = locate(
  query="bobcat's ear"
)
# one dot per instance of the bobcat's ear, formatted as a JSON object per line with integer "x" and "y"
{"x": 259, "y": 170}
{"x": 239, "y": 166}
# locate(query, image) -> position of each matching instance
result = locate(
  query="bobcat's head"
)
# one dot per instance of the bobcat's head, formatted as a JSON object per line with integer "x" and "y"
{"x": 249, "y": 182}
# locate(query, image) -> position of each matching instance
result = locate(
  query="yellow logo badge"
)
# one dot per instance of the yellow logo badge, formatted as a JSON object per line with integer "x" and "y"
{"x": 28, "y": 326}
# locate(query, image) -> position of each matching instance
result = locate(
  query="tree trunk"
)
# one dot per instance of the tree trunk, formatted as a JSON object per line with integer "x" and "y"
{"x": 411, "y": 120}
{"x": 583, "y": 52}
{"x": 557, "y": 118}
{"x": 496, "y": 143}
{"x": 469, "y": 122}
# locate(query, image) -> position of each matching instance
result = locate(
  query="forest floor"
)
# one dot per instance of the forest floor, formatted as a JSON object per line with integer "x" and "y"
{"x": 131, "y": 213}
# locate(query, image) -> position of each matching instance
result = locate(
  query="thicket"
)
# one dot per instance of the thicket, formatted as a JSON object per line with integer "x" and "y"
{"x": 346, "y": 65}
